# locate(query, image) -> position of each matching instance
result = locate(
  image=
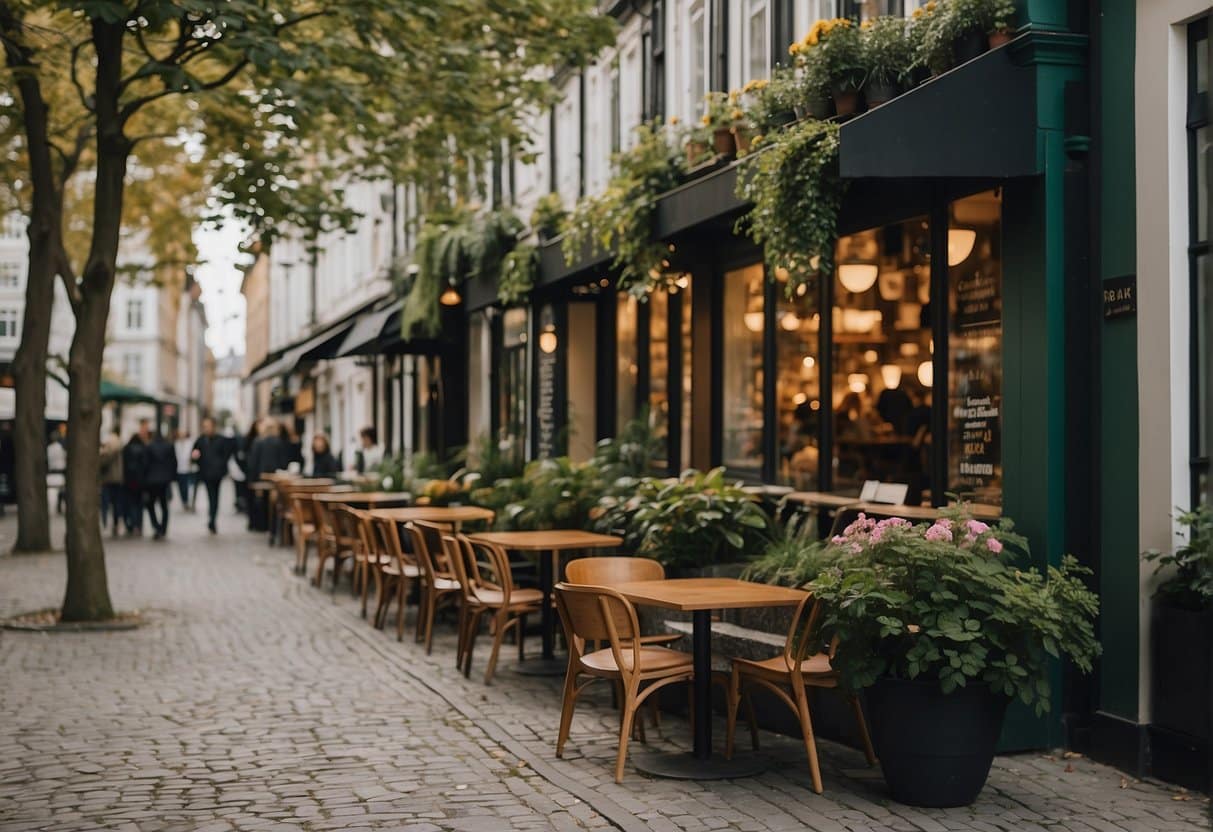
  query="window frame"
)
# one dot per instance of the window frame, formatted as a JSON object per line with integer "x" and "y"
{"x": 10, "y": 320}
{"x": 1200, "y": 245}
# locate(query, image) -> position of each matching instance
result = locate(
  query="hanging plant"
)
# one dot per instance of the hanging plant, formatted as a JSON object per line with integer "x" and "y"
{"x": 620, "y": 219}
{"x": 796, "y": 191}
{"x": 518, "y": 271}
{"x": 461, "y": 247}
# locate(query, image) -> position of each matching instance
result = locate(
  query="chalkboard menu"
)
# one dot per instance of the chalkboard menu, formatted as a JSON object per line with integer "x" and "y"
{"x": 545, "y": 391}
{"x": 978, "y": 300}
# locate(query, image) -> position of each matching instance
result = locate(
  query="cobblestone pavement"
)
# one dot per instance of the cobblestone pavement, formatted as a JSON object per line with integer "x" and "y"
{"x": 254, "y": 701}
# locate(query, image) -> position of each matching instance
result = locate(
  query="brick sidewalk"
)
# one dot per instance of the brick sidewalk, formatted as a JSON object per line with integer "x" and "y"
{"x": 254, "y": 701}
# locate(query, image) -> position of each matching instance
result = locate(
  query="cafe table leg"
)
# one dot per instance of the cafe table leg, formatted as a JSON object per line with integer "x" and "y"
{"x": 701, "y": 652}
{"x": 547, "y": 664}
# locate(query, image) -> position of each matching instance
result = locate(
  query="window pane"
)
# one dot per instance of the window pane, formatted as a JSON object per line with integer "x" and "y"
{"x": 797, "y": 388}
{"x": 697, "y": 52}
{"x": 881, "y": 392}
{"x": 975, "y": 349}
{"x": 512, "y": 413}
{"x": 659, "y": 373}
{"x": 479, "y": 368}
{"x": 758, "y": 57}
{"x": 1201, "y": 229}
{"x": 626, "y": 368}
{"x": 685, "y": 293}
{"x": 741, "y": 444}
{"x": 1204, "y": 356}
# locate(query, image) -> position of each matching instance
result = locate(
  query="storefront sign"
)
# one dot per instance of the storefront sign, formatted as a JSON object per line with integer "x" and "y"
{"x": 305, "y": 402}
{"x": 979, "y": 454}
{"x": 1120, "y": 296}
{"x": 978, "y": 302}
{"x": 545, "y": 405}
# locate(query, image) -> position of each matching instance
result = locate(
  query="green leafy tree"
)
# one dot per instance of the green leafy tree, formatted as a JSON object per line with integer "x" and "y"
{"x": 289, "y": 98}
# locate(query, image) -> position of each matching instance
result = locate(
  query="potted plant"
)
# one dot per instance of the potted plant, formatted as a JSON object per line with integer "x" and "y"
{"x": 812, "y": 73}
{"x": 1002, "y": 23}
{"x": 720, "y": 115}
{"x": 772, "y": 104}
{"x": 1182, "y": 624}
{"x": 886, "y": 58}
{"x": 941, "y": 628}
{"x": 548, "y": 215}
{"x": 969, "y": 22}
{"x": 839, "y": 45}
{"x": 932, "y": 39}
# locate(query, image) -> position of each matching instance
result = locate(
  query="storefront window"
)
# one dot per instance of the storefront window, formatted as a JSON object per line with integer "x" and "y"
{"x": 975, "y": 348}
{"x": 797, "y": 387}
{"x": 684, "y": 292}
{"x": 627, "y": 369}
{"x": 479, "y": 368}
{"x": 659, "y": 373}
{"x": 741, "y": 443}
{"x": 881, "y": 385}
{"x": 513, "y": 411}
{"x": 1201, "y": 281}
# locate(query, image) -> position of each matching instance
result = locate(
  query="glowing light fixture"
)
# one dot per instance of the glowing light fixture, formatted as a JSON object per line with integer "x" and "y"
{"x": 790, "y": 322}
{"x": 683, "y": 282}
{"x": 809, "y": 362}
{"x": 909, "y": 349}
{"x": 753, "y": 321}
{"x": 802, "y": 289}
{"x": 857, "y": 278}
{"x": 857, "y": 382}
{"x": 890, "y": 374}
{"x": 547, "y": 340}
{"x": 450, "y": 296}
{"x": 781, "y": 274}
{"x": 870, "y": 356}
{"x": 960, "y": 245}
{"x": 926, "y": 373}
{"x": 800, "y": 398}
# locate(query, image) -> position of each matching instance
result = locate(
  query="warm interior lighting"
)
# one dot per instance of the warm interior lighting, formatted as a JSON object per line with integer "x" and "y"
{"x": 802, "y": 289}
{"x": 450, "y": 297}
{"x": 871, "y": 356}
{"x": 890, "y": 374}
{"x": 926, "y": 373}
{"x": 800, "y": 398}
{"x": 790, "y": 322}
{"x": 909, "y": 349}
{"x": 809, "y": 362}
{"x": 683, "y": 282}
{"x": 753, "y": 321}
{"x": 857, "y": 278}
{"x": 781, "y": 274}
{"x": 547, "y": 340}
{"x": 815, "y": 405}
{"x": 857, "y": 382}
{"x": 892, "y": 285}
{"x": 960, "y": 245}
{"x": 859, "y": 320}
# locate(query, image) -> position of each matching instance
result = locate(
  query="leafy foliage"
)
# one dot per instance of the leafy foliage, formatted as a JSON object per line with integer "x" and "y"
{"x": 549, "y": 214}
{"x": 551, "y": 494}
{"x": 696, "y": 520}
{"x": 887, "y": 56}
{"x": 1188, "y": 571}
{"x": 796, "y": 193}
{"x": 832, "y": 50}
{"x": 518, "y": 271}
{"x": 947, "y": 602}
{"x": 620, "y": 219}
{"x": 795, "y": 555}
{"x": 631, "y": 451}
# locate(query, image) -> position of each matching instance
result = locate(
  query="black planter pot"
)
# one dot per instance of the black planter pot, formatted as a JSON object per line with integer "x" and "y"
{"x": 935, "y": 748}
{"x": 971, "y": 44}
{"x": 1182, "y": 686}
{"x": 875, "y": 94}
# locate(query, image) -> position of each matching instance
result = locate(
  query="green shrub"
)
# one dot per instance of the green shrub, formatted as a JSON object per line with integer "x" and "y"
{"x": 1189, "y": 569}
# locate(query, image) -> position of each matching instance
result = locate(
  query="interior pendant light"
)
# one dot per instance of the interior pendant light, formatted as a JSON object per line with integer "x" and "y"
{"x": 857, "y": 278}
{"x": 926, "y": 373}
{"x": 960, "y": 245}
{"x": 890, "y": 374}
{"x": 547, "y": 340}
{"x": 857, "y": 382}
{"x": 450, "y": 296}
{"x": 753, "y": 321}
{"x": 790, "y": 322}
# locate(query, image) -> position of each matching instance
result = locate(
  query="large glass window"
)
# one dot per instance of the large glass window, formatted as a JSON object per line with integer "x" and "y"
{"x": 684, "y": 292}
{"x": 697, "y": 56}
{"x": 659, "y": 373}
{"x": 513, "y": 411}
{"x": 975, "y": 348}
{"x": 627, "y": 369}
{"x": 756, "y": 39}
{"x": 741, "y": 394}
{"x": 479, "y": 369}
{"x": 881, "y": 385}
{"x": 797, "y": 387}
{"x": 1199, "y": 266}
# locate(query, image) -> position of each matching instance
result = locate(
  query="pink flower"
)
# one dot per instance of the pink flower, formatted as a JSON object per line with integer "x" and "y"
{"x": 861, "y": 525}
{"x": 838, "y": 540}
{"x": 976, "y": 527}
{"x": 939, "y": 533}
{"x": 994, "y": 545}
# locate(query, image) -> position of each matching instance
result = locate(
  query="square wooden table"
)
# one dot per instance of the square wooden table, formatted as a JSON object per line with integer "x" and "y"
{"x": 700, "y": 596}
{"x": 549, "y": 544}
{"x": 455, "y": 515}
{"x": 367, "y": 499}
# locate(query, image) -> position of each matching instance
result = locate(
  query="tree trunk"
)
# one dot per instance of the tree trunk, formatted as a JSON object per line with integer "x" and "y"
{"x": 87, "y": 596}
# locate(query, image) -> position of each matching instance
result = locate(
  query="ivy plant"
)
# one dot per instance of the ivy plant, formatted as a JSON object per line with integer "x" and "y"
{"x": 796, "y": 193}
{"x": 518, "y": 271}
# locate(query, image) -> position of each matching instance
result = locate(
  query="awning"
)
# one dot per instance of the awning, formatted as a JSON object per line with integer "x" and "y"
{"x": 324, "y": 344}
{"x": 364, "y": 337}
{"x": 268, "y": 369}
{"x": 111, "y": 391}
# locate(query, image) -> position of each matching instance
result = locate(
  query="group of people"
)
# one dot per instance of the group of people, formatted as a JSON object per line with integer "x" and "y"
{"x": 138, "y": 476}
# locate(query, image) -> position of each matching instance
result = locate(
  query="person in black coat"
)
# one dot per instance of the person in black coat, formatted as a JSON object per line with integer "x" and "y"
{"x": 269, "y": 453}
{"x": 134, "y": 475}
{"x": 210, "y": 454}
{"x": 324, "y": 464}
{"x": 160, "y": 474}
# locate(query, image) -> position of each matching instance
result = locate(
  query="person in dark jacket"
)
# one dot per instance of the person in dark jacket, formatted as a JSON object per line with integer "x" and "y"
{"x": 324, "y": 464}
{"x": 161, "y": 473}
{"x": 210, "y": 454}
{"x": 134, "y": 474}
{"x": 270, "y": 452}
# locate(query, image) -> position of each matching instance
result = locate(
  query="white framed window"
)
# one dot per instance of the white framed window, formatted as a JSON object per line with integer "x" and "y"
{"x": 132, "y": 368}
{"x": 10, "y": 274}
{"x": 9, "y": 324}
{"x": 755, "y": 39}
{"x": 696, "y": 50}
{"x": 12, "y": 226}
{"x": 134, "y": 314}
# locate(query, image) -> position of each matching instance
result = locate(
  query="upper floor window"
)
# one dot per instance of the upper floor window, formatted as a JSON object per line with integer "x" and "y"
{"x": 10, "y": 274}
{"x": 696, "y": 50}
{"x": 134, "y": 314}
{"x": 8, "y": 324}
{"x": 132, "y": 368}
{"x": 12, "y": 226}
{"x": 1200, "y": 267}
{"x": 756, "y": 38}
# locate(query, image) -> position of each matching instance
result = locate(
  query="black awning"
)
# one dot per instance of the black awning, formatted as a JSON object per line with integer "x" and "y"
{"x": 367, "y": 332}
{"x": 977, "y": 120}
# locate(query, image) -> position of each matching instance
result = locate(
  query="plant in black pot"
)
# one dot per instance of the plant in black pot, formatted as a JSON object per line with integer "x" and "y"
{"x": 1182, "y": 628}
{"x": 942, "y": 629}
{"x": 548, "y": 216}
{"x": 886, "y": 57}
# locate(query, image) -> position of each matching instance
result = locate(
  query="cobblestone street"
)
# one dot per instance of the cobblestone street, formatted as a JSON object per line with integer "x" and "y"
{"x": 254, "y": 701}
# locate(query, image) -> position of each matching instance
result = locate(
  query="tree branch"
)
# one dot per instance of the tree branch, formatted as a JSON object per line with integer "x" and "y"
{"x": 68, "y": 275}
{"x": 132, "y": 107}
{"x": 85, "y": 100}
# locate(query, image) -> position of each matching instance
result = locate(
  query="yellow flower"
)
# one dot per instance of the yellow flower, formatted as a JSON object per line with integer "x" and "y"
{"x": 867, "y": 24}
{"x": 736, "y": 115}
{"x": 706, "y": 119}
{"x": 673, "y": 120}
{"x": 931, "y": 5}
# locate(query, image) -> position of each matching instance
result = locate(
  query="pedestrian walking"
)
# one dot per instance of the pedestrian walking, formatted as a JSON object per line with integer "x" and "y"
{"x": 161, "y": 471}
{"x": 211, "y": 453}
{"x": 183, "y": 446}
{"x": 56, "y": 467}
{"x": 324, "y": 464}
{"x": 270, "y": 452}
{"x": 134, "y": 474}
{"x": 113, "y": 487}
{"x": 370, "y": 453}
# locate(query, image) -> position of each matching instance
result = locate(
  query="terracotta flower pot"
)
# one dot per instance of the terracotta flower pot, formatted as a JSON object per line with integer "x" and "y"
{"x": 875, "y": 93}
{"x": 997, "y": 39}
{"x": 696, "y": 151}
{"x": 742, "y": 136}
{"x": 846, "y": 103}
{"x": 818, "y": 108}
{"x": 723, "y": 141}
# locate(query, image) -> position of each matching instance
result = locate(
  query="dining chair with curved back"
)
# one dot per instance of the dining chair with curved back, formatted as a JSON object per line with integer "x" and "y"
{"x": 339, "y": 540}
{"x": 611, "y": 570}
{"x": 439, "y": 584}
{"x": 304, "y": 531}
{"x": 600, "y": 614}
{"x": 798, "y": 668}
{"x": 369, "y": 555}
{"x": 398, "y": 570}
{"x": 485, "y": 572}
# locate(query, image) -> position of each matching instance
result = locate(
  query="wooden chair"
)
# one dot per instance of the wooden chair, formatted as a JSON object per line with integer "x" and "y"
{"x": 488, "y": 588}
{"x": 397, "y": 570}
{"x": 338, "y": 541}
{"x": 595, "y": 613}
{"x": 369, "y": 556}
{"x": 439, "y": 583}
{"x": 304, "y": 531}
{"x": 797, "y": 669}
{"x": 608, "y": 571}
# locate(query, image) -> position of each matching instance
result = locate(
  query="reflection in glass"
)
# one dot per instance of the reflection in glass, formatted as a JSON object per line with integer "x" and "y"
{"x": 659, "y": 373}
{"x": 1204, "y": 381}
{"x": 626, "y": 368}
{"x": 797, "y": 387}
{"x": 512, "y": 415}
{"x": 975, "y": 352}
{"x": 684, "y": 291}
{"x": 880, "y": 400}
{"x": 741, "y": 444}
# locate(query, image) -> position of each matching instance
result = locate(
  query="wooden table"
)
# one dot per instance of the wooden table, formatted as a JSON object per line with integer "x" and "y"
{"x": 927, "y": 513}
{"x": 548, "y": 545}
{"x": 700, "y": 596}
{"x": 455, "y": 515}
{"x": 820, "y": 499}
{"x": 367, "y": 499}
